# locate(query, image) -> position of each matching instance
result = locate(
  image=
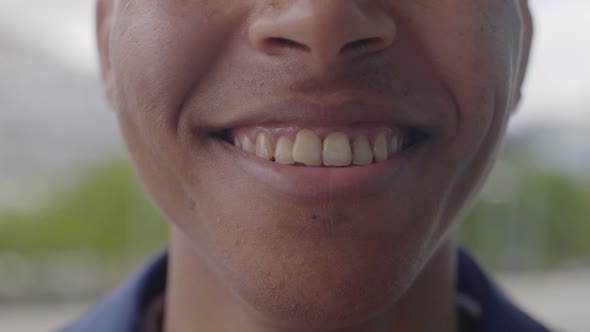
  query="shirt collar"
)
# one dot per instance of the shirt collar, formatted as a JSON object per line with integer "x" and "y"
{"x": 123, "y": 309}
{"x": 479, "y": 297}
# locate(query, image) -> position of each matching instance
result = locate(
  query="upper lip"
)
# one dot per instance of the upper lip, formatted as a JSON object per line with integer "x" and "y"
{"x": 342, "y": 113}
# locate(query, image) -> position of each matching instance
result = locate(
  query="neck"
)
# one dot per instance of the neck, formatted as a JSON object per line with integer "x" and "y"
{"x": 198, "y": 300}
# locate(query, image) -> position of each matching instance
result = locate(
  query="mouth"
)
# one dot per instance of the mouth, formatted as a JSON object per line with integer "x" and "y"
{"x": 344, "y": 152}
{"x": 317, "y": 163}
{"x": 354, "y": 145}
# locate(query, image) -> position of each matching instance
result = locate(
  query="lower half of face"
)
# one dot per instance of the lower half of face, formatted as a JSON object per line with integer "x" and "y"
{"x": 317, "y": 182}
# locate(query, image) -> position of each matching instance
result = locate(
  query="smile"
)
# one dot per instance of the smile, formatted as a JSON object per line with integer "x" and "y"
{"x": 354, "y": 145}
{"x": 324, "y": 161}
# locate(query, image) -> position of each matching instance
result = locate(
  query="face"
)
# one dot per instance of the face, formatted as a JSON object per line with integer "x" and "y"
{"x": 317, "y": 154}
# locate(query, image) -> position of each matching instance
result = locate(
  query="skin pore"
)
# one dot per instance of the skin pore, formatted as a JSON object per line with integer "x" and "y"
{"x": 247, "y": 254}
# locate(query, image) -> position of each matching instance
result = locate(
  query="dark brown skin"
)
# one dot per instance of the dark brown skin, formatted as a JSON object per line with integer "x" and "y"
{"x": 245, "y": 257}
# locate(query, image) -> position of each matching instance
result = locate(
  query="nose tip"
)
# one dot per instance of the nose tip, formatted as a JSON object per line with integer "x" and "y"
{"x": 327, "y": 29}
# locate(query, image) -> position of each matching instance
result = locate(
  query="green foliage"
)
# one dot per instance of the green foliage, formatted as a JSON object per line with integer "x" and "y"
{"x": 541, "y": 220}
{"x": 100, "y": 214}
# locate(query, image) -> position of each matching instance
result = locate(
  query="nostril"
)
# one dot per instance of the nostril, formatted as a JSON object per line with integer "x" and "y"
{"x": 363, "y": 45}
{"x": 285, "y": 43}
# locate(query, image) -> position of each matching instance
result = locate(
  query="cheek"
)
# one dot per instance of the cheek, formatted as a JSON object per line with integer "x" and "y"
{"x": 160, "y": 51}
{"x": 158, "y": 180}
{"x": 153, "y": 73}
{"x": 476, "y": 59}
{"x": 474, "y": 46}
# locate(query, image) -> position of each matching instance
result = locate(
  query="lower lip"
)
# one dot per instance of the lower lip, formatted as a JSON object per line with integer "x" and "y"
{"x": 322, "y": 182}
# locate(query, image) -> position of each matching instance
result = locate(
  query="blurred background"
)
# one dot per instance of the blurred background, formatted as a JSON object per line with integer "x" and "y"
{"x": 74, "y": 223}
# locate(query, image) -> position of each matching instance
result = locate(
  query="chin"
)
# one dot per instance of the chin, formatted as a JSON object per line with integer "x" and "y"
{"x": 327, "y": 296}
{"x": 340, "y": 273}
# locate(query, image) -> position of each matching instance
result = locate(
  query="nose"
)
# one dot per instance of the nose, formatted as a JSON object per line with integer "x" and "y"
{"x": 328, "y": 30}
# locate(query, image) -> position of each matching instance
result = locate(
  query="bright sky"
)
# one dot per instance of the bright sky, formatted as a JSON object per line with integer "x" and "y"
{"x": 557, "y": 90}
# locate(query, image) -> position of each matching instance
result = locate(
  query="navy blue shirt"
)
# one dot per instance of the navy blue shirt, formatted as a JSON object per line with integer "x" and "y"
{"x": 482, "y": 306}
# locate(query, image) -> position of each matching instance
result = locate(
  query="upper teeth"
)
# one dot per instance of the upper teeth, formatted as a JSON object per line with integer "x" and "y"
{"x": 307, "y": 148}
{"x": 336, "y": 149}
{"x": 284, "y": 151}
